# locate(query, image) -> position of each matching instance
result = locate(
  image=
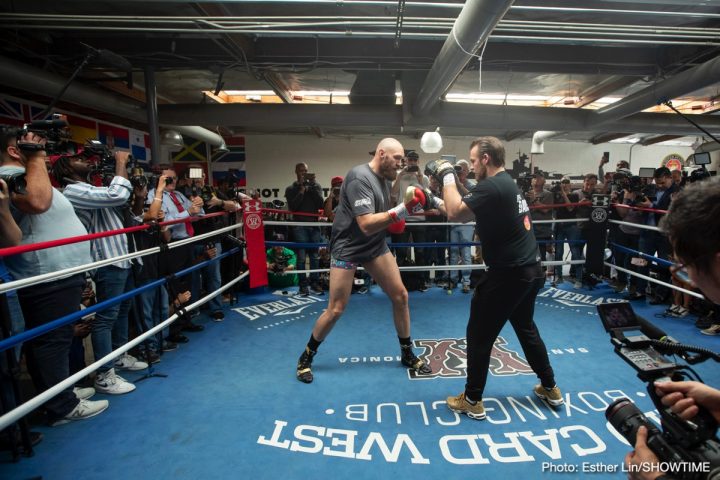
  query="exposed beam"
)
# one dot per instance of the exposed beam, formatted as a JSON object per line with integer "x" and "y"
{"x": 466, "y": 117}
{"x": 652, "y": 140}
{"x": 683, "y": 83}
{"x": 279, "y": 87}
{"x": 606, "y": 137}
{"x": 604, "y": 88}
{"x": 512, "y": 135}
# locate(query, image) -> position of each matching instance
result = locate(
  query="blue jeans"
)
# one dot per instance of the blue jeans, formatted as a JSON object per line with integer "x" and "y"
{"x": 110, "y": 282}
{"x": 155, "y": 311}
{"x": 211, "y": 276}
{"x": 461, "y": 234}
{"x": 568, "y": 232}
{"x": 307, "y": 235}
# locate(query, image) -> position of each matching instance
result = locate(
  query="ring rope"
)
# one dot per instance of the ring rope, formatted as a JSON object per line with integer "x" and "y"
{"x": 636, "y": 225}
{"x": 30, "y": 247}
{"x": 20, "y": 411}
{"x": 25, "y": 282}
{"x": 659, "y": 261}
{"x": 46, "y": 327}
{"x": 654, "y": 280}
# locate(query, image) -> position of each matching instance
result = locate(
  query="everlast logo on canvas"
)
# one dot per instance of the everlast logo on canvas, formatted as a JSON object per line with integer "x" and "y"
{"x": 447, "y": 358}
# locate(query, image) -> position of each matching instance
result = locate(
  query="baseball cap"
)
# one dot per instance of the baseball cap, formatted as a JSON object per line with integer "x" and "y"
{"x": 336, "y": 181}
{"x": 412, "y": 154}
{"x": 565, "y": 180}
{"x": 463, "y": 162}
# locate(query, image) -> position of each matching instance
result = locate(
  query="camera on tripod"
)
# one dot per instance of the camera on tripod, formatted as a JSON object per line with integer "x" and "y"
{"x": 680, "y": 442}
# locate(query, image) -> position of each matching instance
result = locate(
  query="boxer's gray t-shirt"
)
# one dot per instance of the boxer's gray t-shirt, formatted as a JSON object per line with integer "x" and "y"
{"x": 362, "y": 192}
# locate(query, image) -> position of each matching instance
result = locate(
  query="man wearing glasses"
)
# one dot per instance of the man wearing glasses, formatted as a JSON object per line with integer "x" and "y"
{"x": 175, "y": 205}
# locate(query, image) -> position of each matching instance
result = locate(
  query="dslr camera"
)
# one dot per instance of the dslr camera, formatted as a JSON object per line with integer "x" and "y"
{"x": 105, "y": 166}
{"x": 309, "y": 179}
{"x": 678, "y": 442}
{"x": 524, "y": 182}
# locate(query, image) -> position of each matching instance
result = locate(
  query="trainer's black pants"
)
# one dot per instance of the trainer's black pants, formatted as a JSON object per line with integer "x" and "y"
{"x": 501, "y": 295}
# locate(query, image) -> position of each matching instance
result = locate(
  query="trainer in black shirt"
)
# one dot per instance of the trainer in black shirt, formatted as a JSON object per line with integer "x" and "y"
{"x": 514, "y": 276}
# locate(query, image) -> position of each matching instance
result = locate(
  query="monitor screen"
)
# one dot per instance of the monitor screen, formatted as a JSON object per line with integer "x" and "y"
{"x": 616, "y": 316}
{"x": 646, "y": 172}
{"x": 701, "y": 158}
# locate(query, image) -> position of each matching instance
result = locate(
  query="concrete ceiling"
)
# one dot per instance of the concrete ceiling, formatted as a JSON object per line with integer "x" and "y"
{"x": 574, "y": 51}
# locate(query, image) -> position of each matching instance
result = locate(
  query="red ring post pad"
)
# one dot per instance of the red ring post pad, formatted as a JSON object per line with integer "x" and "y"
{"x": 255, "y": 238}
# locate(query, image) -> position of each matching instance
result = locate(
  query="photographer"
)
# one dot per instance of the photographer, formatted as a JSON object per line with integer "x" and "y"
{"x": 411, "y": 175}
{"x": 332, "y": 201}
{"x": 566, "y": 231}
{"x": 655, "y": 243}
{"x": 176, "y": 206}
{"x": 629, "y": 236}
{"x": 305, "y": 195}
{"x": 214, "y": 201}
{"x": 536, "y": 197}
{"x": 694, "y": 233}
{"x": 461, "y": 234}
{"x": 43, "y": 214}
{"x": 583, "y": 211}
{"x": 103, "y": 209}
{"x": 280, "y": 261}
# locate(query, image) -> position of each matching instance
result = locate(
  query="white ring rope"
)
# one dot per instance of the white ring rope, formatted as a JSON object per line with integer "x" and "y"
{"x": 25, "y": 282}
{"x": 21, "y": 410}
{"x": 636, "y": 225}
{"x": 654, "y": 280}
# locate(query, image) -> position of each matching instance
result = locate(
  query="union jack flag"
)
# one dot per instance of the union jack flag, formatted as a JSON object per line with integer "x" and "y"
{"x": 14, "y": 112}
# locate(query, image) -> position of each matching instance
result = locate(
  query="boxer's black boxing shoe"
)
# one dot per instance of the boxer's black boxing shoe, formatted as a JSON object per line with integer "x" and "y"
{"x": 409, "y": 359}
{"x": 304, "y": 374}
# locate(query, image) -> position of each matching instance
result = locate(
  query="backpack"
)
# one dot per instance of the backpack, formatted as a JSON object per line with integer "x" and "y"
{"x": 412, "y": 279}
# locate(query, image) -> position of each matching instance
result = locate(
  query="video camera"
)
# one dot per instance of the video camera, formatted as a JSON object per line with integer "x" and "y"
{"x": 524, "y": 182}
{"x": 15, "y": 182}
{"x": 105, "y": 166}
{"x": 309, "y": 179}
{"x": 642, "y": 345}
{"x": 53, "y": 130}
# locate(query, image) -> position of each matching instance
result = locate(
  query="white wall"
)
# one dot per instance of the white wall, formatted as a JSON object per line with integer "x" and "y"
{"x": 270, "y": 159}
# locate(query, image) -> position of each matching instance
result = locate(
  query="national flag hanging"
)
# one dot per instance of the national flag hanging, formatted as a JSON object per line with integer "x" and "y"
{"x": 139, "y": 145}
{"x": 193, "y": 151}
{"x": 16, "y": 112}
{"x": 82, "y": 129}
{"x": 114, "y": 137}
{"x": 230, "y": 165}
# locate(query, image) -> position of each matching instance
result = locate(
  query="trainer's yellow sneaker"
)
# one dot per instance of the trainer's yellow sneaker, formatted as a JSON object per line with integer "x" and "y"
{"x": 460, "y": 404}
{"x": 552, "y": 396}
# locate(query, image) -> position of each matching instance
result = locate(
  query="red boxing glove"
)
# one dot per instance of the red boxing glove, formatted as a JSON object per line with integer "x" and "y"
{"x": 415, "y": 199}
{"x": 396, "y": 228}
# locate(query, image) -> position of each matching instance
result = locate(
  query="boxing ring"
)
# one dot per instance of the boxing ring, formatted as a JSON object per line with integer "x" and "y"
{"x": 231, "y": 407}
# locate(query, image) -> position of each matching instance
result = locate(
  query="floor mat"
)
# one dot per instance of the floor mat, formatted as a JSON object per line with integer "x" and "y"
{"x": 231, "y": 405}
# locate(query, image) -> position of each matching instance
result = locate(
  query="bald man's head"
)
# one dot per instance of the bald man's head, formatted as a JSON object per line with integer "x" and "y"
{"x": 388, "y": 157}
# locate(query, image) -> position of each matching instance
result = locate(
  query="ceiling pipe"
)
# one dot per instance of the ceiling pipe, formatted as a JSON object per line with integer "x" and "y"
{"x": 683, "y": 83}
{"x": 30, "y": 79}
{"x": 538, "y": 140}
{"x": 471, "y": 29}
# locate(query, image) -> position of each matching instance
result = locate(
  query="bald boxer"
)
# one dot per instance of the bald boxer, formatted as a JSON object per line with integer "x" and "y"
{"x": 362, "y": 219}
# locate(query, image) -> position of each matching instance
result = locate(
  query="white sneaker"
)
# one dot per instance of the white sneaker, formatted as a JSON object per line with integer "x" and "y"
{"x": 84, "y": 409}
{"x": 112, "y": 384}
{"x": 577, "y": 284}
{"x": 128, "y": 362}
{"x": 83, "y": 393}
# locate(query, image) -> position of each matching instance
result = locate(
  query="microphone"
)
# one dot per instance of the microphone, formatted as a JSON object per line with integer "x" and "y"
{"x": 109, "y": 59}
{"x": 653, "y": 331}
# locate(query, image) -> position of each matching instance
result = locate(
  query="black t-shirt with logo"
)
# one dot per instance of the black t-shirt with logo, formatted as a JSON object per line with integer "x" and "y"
{"x": 503, "y": 222}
